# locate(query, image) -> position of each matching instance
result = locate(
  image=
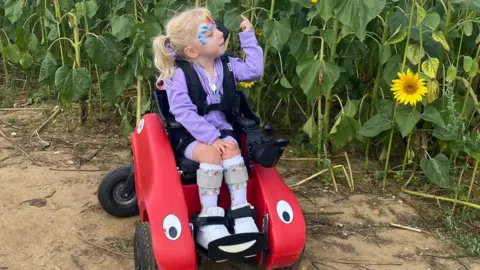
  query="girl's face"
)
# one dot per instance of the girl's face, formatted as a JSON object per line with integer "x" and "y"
{"x": 210, "y": 40}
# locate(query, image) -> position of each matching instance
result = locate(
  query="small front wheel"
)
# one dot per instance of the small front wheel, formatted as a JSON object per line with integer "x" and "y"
{"x": 111, "y": 196}
{"x": 142, "y": 250}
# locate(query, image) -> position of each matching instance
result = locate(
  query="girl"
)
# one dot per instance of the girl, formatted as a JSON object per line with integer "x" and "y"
{"x": 193, "y": 36}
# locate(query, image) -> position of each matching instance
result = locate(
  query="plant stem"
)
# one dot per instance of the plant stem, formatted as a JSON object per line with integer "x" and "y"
{"x": 395, "y": 108}
{"x": 99, "y": 93}
{"x": 389, "y": 147}
{"x": 470, "y": 84}
{"x": 139, "y": 98}
{"x": 328, "y": 103}
{"x": 135, "y": 10}
{"x": 59, "y": 23}
{"x": 407, "y": 150}
{"x": 4, "y": 60}
{"x": 456, "y": 191}
{"x": 319, "y": 133}
{"x": 375, "y": 91}
{"x": 472, "y": 181}
{"x": 265, "y": 54}
{"x": 472, "y": 205}
{"x": 197, "y": 3}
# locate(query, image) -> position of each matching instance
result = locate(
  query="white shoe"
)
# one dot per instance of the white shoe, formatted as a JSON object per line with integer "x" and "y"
{"x": 209, "y": 233}
{"x": 245, "y": 224}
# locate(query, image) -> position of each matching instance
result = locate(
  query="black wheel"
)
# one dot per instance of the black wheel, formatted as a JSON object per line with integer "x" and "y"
{"x": 110, "y": 197}
{"x": 142, "y": 250}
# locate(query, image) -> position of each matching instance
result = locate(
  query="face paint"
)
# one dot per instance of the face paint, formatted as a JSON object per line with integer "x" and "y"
{"x": 204, "y": 28}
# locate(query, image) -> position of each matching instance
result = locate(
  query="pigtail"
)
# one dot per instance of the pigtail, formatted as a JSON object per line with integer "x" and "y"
{"x": 164, "y": 57}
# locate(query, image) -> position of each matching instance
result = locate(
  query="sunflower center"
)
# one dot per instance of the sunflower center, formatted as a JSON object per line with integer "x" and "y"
{"x": 410, "y": 88}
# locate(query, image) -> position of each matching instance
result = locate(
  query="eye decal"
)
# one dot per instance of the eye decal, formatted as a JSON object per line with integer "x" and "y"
{"x": 285, "y": 212}
{"x": 172, "y": 227}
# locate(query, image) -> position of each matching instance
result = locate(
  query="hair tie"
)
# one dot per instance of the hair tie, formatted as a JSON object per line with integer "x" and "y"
{"x": 169, "y": 48}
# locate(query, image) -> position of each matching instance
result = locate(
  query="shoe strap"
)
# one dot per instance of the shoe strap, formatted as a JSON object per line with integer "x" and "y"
{"x": 246, "y": 211}
{"x": 204, "y": 221}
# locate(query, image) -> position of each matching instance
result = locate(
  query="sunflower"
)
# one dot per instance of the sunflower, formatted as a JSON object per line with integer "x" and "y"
{"x": 246, "y": 84}
{"x": 409, "y": 88}
{"x": 314, "y": 1}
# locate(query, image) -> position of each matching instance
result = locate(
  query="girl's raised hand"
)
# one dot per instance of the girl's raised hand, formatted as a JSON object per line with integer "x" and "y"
{"x": 246, "y": 24}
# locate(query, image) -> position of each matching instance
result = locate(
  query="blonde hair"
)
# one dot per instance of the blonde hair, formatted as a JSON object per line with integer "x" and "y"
{"x": 181, "y": 30}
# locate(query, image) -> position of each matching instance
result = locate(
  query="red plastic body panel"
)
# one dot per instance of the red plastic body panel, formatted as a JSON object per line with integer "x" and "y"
{"x": 160, "y": 193}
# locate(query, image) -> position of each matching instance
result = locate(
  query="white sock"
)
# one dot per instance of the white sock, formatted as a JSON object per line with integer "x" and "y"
{"x": 238, "y": 192}
{"x": 209, "y": 196}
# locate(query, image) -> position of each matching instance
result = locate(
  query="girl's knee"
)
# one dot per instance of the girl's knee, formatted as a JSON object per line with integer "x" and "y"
{"x": 231, "y": 153}
{"x": 208, "y": 154}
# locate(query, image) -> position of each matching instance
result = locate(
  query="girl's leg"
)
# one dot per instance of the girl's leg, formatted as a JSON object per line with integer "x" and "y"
{"x": 209, "y": 181}
{"x": 236, "y": 177}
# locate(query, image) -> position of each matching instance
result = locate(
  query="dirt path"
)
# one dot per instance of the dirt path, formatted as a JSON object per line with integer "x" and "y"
{"x": 51, "y": 219}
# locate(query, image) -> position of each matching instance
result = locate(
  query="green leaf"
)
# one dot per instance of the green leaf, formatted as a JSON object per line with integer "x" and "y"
{"x": 343, "y": 131}
{"x": 12, "y": 53}
{"x": 385, "y": 53}
{"x": 421, "y": 13}
{"x": 26, "y": 61}
{"x": 331, "y": 73}
{"x": 431, "y": 114}
{"x": 378, "y": 123}
{"x": 432, "y": 20}
{"x": 351, "y": 108}
{"x": 122, "y": 27}
{"x": 309, "y": 71}
{"x": 443, "y": 134}
{"x": 14, "y": 9}
{"x": 60, "y": 76}
{"x": 310, "y": 30}
{"x": 48, "y": 68}
{"x": 80, "y": 10}
{"x": 415, "y": 53}
{"x": 66, "y": 5}
{"x": 104, "y": 51}
{"x": 398, "y": 36}
{"x": 392, "y": 67}
{"x": 285, "y": 83}
{"x": 325, "y": 8}
{"x": 76, "y": 84}
{"x": 468, "y": 29}
{"x": 216, "y": 6}
{"x": 112, "y": 86}
{"x": 358, "y": 13}
{"x": 232, "y": 19}
{"x": 430, "y": 67}
{"x": 451, "y": 73}
{"x": 406, "y": 119}
{"x": 437, "y": 170}
{"x": 478, "y": 39}
{"x": 300, "y": 48}
{"x": 440, "y": 38}
{"x": 277, "y": 32}
{"x": 310, "y": 127}
{"x": 92, "y": 8}
{"x": 467, "y": 63}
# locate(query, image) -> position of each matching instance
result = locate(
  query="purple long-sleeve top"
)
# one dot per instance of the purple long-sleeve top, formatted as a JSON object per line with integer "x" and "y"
{"x": 206, "y": 128}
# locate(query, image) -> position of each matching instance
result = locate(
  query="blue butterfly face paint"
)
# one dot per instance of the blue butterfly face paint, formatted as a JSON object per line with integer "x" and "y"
{"x": 204, "y": 28}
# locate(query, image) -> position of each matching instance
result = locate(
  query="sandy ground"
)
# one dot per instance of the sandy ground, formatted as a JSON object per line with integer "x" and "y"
{"x": 50, "y": 218}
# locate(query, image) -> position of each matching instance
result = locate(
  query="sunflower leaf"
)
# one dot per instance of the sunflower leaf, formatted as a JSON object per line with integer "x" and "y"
{"x": 439, "y": 37}
{"x": 432, "y": 95}
{"x": 378, "y": 123}
{"x": 406, "y": 119}
{"x": 451, "y": 73}
{"x": 437, "y": 170}
{"x": 430, "y": 67}
{"x": 398, "y": 36}
{"x": 415, "y": 53}
{"x": 431, "y": 114}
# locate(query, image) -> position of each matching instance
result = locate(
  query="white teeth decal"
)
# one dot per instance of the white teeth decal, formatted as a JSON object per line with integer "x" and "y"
{"x": 237, "y": 248}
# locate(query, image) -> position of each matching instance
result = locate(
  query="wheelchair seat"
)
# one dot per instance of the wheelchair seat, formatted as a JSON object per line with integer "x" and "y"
{"x": 262, "y": 148}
